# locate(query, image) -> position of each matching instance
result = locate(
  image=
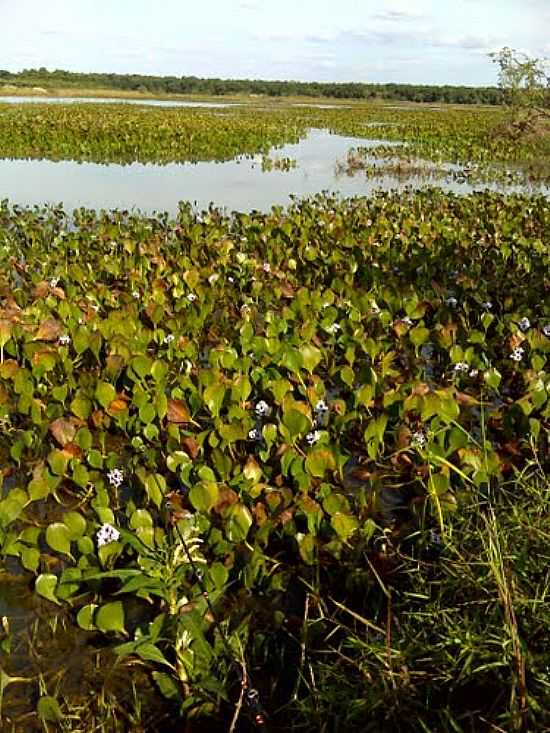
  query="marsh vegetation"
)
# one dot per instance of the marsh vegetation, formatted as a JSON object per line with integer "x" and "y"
{"x": 301, "y": 451}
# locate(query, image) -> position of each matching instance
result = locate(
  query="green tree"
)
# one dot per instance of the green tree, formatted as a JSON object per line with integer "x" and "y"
{"x": 524, "y": 81}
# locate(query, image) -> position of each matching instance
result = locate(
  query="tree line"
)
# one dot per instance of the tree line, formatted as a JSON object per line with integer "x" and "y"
{"x": 217, "y": 87}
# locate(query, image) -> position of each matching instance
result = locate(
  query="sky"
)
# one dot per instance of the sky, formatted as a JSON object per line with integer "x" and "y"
{"x": 410, "y": 41}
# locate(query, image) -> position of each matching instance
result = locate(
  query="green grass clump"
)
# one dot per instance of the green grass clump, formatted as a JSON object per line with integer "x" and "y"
{"x": 284, "y": 448}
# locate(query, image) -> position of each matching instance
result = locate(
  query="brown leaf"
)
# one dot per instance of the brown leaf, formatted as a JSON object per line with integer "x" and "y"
{"x": 260, "y": 513}
{"x": 9, "y": 369}
{"x": 72, "y": 450}
{"x": 191, "y": 447}
{"x": 117, "y": 406}
{"x": 226, "y": 498}
{"x": 465, "y": 399}
{"x": 421, "y": 389}
{"x": 97, "y": 418}
{"x": 49, "y": 330}
{"x": 62, "y": 430}
{"x": 177, "y": 412}
{"x": 58, "y": 292}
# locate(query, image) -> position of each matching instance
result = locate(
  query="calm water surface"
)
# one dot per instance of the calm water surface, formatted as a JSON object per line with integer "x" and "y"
{"x": 238, "y": 184}
{"x": 114, "y": 100}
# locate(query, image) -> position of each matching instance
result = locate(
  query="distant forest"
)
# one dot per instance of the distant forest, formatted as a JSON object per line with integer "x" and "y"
{"x": 196, "y": 85}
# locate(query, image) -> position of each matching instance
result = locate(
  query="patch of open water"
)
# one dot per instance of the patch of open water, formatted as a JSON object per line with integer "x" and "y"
{"x": 239, "y": 184}
{"x": 114, "y": 100}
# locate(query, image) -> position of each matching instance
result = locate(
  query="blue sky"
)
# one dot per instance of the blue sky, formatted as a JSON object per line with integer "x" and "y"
{"x": 417, "y": 41}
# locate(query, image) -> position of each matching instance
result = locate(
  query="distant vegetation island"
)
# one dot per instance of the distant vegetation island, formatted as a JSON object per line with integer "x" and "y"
{"x": 169, "y": 85}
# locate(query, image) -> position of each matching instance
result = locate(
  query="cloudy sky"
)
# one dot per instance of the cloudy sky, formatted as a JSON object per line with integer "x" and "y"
{"x": 422, "y": 41}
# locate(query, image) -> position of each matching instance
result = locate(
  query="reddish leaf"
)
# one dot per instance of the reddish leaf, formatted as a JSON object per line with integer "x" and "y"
{"x": 191, "y": 447}
{"x": 49, "y": 330}
{"x": 177, "y": 412}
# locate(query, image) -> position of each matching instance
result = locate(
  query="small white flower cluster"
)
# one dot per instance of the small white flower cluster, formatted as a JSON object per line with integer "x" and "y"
{"x": 262, "y": 409}
{"x": 321, "y": 408}
{"x": 54, "y": 282}
{"x": 65, "y": 339}
{"x": 107, "y": 534}
{"x": 266, "y": 267}
{"x": 170, "y": 338}
{"x": 452, "y": 302}
{"x": 418, "y": 439}
{"x": 255, "y": 435}
{"x": 474, "y": 372}
{"x": 487, "y": 305}
{"x": 231, "y": 279}
{"x": 524, "y": 324}
{"x": 313, "y": 437}
{"x": 407, "y": 320}
{"x": 334, "y": 328}
{"x": 546, "y": 330}
{"x": 191, "y": 297}
{"x": 461, "y": 366}
{"x": 135, "y": 294}
{"x": 115, "y": 477}
{"x": 517, "y": 354}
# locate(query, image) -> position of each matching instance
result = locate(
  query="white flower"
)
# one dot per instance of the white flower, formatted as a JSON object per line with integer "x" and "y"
{"x": 407, "y": 320}
{"x": 245, "y": 309}
{"x": 115, "y": 477}
{"x": 487, "y": 305}
{"x": 191, "y": 297}
{"x": 313, "y": 437}
{"x": 517, "y": 354}
{"x": 474, "y": 372}
{"x": 169, "y": 339}
{"x": 461, "y": 366}
{"x": 546, "y": 330}
{"x": 254, "y": 434}
{"x": 54, "y": 282}
{"x": 334, "y": 328}
{"x": 524, "y": 324}
{"x": 230, "y": 279}
{"x": 135, "y": 294}
{"x": 452, "y": 302}
{"x": 106, "y": 534}
{"x": 321, "y": 407}
{"x": 65, "y": 339}
{"x": 266, "y": 267}
{"x": 418, "y": 439}
{"x": 262, "y": 409}
{"x": 375, "y": 308}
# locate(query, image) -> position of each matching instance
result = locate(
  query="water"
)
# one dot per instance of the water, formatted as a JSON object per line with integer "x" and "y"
{"x": 239, "y": 184}
{"x": 114, "y": 100}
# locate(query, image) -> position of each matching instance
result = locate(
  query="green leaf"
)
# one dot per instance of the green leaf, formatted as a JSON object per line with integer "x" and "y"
{"x": 344, "y": 524}
{"x": 85, "y": 617}
{"x": 76, "y": 524}
{"x": 296, "y": 422}
{"x": 48, "y": 709}
{"x": 110, "y": 617}
{"x": 240, "y": 521}
{"x": 219, "y": 575}
{"x": 204, "y": 495}
{"x": 58, "y": 537}
{"x": 213, "y": 397}
{"x": 30, "y": 558}
{"x": 45, "y": 586}
{"x": 167, "y": 685}
{"x": 319, "y": 461}
{"x": 81, "y": 407}
{"x": 311, "y": 357}
{"x": 105, "y": 393}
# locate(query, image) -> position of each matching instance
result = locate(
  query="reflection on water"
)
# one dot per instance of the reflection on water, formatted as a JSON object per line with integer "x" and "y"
{"x": 239, "y": 184}
{"x": 114, "y": 100}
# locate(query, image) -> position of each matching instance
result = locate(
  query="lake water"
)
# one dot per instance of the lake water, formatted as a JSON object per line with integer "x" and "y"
{"x": 114, "y": 100}
{"x": 239, "y": 184}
